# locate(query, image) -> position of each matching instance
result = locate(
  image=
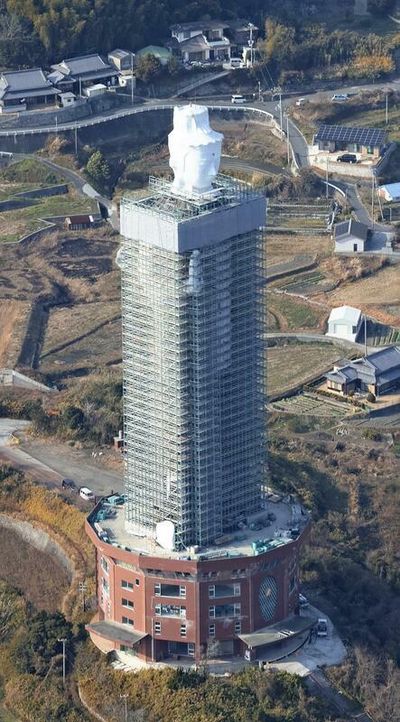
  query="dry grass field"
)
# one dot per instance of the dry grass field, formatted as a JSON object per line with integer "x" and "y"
{"x": 292, "y": 364}
{"x": 378, "y": 295}
{"x": 14, "y": 316}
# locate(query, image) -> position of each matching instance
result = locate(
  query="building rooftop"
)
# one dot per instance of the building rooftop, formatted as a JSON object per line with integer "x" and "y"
{"x": 201, "y": 25}
{"x": 385, "y": 359}
{"x": 348, "y": 314}
{"x": 289, "y": 520}
{"x": 84, "y": 65}
{"x": 351, "y": 227}
{"x": 24, "y": 83}
{"x": 364, "y": 136}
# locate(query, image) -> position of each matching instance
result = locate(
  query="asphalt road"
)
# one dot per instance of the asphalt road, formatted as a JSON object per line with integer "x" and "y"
{"x": 49, "y": 463}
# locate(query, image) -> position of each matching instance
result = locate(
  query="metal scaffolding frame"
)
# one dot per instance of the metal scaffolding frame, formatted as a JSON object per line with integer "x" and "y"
{"x": 194, "y": 377}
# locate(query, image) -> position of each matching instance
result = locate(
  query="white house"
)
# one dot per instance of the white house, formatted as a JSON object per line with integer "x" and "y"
{"x": 344, "y": 322}
{"x": 390, "y": 192}
{"x": 350, "y": 236}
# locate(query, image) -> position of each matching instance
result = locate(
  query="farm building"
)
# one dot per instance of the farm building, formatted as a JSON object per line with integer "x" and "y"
{"x": 345, "y": 322}
{"x": 350, "y": 236}
{"x": 78, "y": 223}
{"x": 367, "y": 142}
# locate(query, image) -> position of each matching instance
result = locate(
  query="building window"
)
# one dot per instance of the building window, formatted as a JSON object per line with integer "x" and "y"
{"x": 182, "y": 592}
{"x": 127, "y": 603}
{"x": 183, "y": 630}
{"x": 238, "y": 627}
{"x": 157, "y": 590}
{"x": 169, "y": 590}
{"x": 104, "y": 564}
{"x": 170, "y": 610}
{"x": 211, "y": 630}
{"x": 137, "y": 582}
{"x": 224, "y": 610}
{"x": 105, "y": 585}
{"x": 126, "y": 585}
{"x": 127, "y": 620}
{"x": 218, "y": 591}
{"x": 211, "y": 591}
{"x": 191, "y": 649}
{"x": 157, "y": 627}
{"x": 355, "y": 247}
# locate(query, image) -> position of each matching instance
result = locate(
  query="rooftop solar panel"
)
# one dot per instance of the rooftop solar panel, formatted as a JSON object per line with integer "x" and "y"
{"x": 364, "y": 136}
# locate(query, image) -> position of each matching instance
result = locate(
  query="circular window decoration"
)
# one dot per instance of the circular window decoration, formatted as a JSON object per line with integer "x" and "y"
{"x": 268, "y": 598}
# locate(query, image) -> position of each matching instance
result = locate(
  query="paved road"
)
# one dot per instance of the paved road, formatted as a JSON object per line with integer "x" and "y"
{"x": 84, "y": 188}
{"x": 49, "y": 463}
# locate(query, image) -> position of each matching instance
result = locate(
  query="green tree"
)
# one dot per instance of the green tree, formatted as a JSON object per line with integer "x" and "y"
{"x": 98, "y": 168}
{"x": 148, "y": 68}
{"x": 73, "y": 417}
{"x": 38, "y": 646}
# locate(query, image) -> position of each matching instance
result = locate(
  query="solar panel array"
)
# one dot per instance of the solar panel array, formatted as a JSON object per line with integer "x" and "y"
{"x": 362, "y": 136}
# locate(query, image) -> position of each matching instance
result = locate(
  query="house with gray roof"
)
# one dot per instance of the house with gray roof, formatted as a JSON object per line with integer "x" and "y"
{"x": 74, "y": 74}
{"x": 210, "y": 40}
{"x": 351, "y": 236}
{"x": 22, "y": 89}
{"x": 121, "y": 59}
{"x": 377, "y": 373}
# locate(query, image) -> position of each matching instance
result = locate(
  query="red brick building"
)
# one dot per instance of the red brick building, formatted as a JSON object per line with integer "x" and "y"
{"x": 230, "y": 602}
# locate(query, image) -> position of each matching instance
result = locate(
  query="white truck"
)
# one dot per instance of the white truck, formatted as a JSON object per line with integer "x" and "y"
{"x": 322, "y": 628}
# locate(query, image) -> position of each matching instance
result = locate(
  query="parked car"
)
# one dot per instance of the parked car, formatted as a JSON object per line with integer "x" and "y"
{"x": 301, "y": 101}
{"x": 236, "y": 99}
{"x": 236, "y": 63}
{"x": 347, "y": 158}
{"x": 322, "y": 628}
{"x": 70, "y": 485}
{"x": 339, "y": 97}
{"x": 86, "y": 494}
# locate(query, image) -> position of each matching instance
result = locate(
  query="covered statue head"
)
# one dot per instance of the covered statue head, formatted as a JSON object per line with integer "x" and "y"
{"x": 195, "y": 150}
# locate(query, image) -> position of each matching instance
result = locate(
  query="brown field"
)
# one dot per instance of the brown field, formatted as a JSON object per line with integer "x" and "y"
{"x": 378, "y": 294}
{"x": 14, "y": 317}
{"x": 68, "y": 325}
{"x": 42, "y": 580}
{"x": 281, "y": 247}
{"x": 292, "y": 364}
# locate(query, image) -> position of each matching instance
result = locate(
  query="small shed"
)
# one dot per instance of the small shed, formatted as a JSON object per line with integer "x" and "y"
{"x": 122, "y": 59}
{"x": 92, "y": 90}
{"x": 78, "y": 223}
{"x": 390, "y": 192}
{"x": 350, "y": 236}
{"x": 66, "y": 99}
{"x": 344, "y": 322}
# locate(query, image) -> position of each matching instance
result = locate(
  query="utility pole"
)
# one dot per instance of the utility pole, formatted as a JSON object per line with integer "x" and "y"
{"x": 373, "y": 201}
{"x": 131, "y": 78}
{"x": 365, "y": 334}
{"x": 327, "y": 178}
{"x": 125, "y": 698}
{"x": 287, "y": 141}
{"x": 386, "y": 107}
{"x": 82, "y": 589}
{"x": 80, "y": 87}
{"x": 63, "y": 640}
{"x": 259, "y": 91}
{"x": 280, "y": 109}
{"x": 76, "y": 140}
{"x": 251, "y": 42}
{"x": 56, "y": 125}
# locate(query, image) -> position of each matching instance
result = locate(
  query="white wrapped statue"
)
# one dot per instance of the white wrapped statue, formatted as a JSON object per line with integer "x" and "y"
{"x": 195, "y": 150}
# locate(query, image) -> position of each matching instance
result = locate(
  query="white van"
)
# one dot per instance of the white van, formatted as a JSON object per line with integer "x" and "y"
{"x": 238, "y": 99}
{"x": 236, "y": 63}
{"x": 339, "y": 97}
{"x": 86, "y": 493}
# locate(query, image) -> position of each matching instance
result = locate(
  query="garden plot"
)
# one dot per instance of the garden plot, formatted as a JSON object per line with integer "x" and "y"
{"x": 308, "y": 283}
{"x": 305, "y": 405}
